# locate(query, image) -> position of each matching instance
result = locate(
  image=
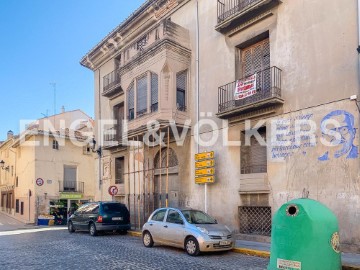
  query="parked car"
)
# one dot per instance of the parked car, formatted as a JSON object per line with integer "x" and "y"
{"x": 100, "y": 216}
{"x": 190, "y": 229}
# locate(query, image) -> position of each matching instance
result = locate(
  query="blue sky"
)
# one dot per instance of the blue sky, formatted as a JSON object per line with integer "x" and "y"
{"x": 42, "y": 41}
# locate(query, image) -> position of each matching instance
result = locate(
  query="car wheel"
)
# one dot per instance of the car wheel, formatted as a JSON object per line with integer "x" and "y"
{"x": 147, "y": 239}
{"x": 92, "y": 229}
{"x": 71, "y": 227}
{"x": 192, "y": 246}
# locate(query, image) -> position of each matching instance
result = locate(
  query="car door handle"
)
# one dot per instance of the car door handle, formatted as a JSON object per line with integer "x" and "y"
{"x": 150, "y": 224}
{"x": 165, "y": 226}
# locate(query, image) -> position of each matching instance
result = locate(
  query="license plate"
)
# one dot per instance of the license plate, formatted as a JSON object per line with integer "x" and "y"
{"x": 117, "y": 218}
{"x": 225, "y": 243}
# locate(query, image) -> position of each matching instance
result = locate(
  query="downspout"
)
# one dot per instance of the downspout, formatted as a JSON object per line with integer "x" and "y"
{"x": 100, "y": 139}
{"x": 198, "y": 93}
{"x": 358, "y": 49}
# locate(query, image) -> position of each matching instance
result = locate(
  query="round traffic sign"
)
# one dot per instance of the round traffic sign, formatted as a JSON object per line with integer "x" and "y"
{"x": 113, "y": 190}
{"x": 39, "y": 182}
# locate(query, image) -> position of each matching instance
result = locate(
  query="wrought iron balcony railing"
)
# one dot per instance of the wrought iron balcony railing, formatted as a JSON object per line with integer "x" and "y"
{"x": 71, "y": 186}
{"x": 113, "y": 136}
{"x": 229, "y": 8}
{"x": 111, "y": 82}
{"x": 268, "y": 85}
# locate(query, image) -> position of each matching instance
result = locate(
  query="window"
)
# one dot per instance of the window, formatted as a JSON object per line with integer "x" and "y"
{"x": 147, "y": 91}
{"x": 159, "y": 215}
{"x": 22, "y": 208}
{"x": 174, "y": 217}
{"x": 55, "y": 145}
{"x": 181, "y": 81}
{"x": 70, "y": 178}
{"x": 255, "y": 59}
{"x": 17, "y": 205}
{"x": 141, "y": 99}
{"x": 17, "y": 181}
{"x": 154, "y": 92}
{"x": 87, "y": 149}
{"x": 119, "y": 170}
{"x": 140, "y": 45}
{"x": 253, "y": 157}
{"x": 131, "y": 112}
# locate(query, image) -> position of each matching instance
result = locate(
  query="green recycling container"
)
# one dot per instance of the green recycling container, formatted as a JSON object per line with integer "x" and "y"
{"x": 305, "y": 236}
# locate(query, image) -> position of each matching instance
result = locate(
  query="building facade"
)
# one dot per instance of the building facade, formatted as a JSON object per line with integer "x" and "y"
{"x": 49, "y": 167}
{"x": 220, "y": 70}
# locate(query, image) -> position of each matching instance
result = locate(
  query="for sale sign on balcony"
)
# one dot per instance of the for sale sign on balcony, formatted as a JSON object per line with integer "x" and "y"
{"x": 245, "y": 88}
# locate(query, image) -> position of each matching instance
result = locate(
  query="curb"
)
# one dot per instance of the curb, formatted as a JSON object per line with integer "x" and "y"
{"x": 252, "y": 252}
{"x": 257, "y": 253}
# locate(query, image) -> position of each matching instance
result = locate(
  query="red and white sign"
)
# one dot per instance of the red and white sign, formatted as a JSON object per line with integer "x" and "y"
{"x": 245, "y": 88}
{"x": 113, "y": 190}
{"x": 39, "y": 182}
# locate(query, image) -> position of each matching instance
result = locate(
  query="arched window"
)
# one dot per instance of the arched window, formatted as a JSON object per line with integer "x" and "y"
{"x": 173, "y": 161}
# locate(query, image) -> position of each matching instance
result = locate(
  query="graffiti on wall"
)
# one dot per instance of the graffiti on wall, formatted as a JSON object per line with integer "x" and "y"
{"x": 346, "y": 131}
{"x": 290, "y": 146}
{"x": 337, "y": 133}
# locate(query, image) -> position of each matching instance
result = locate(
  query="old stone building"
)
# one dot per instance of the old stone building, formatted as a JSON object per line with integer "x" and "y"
{"x": 49, "y": 166}
{"x": 188, "y": 61}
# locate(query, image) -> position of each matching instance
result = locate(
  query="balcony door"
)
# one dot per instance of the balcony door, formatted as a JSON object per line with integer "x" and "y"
{"x": 119, "y": 115}
{"x": 255, "y": 58}
{"x": 70, "y": 178}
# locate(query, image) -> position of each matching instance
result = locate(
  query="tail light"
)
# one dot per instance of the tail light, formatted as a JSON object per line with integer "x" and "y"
{"x": 99, "y": 219}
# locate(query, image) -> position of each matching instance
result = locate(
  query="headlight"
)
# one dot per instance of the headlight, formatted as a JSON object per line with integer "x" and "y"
{"x": 203, "y": 230}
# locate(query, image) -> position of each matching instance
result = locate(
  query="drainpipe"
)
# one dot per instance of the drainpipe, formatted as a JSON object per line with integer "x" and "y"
{"x": 198, "y": 92}
{"x": 358, "y": 49}
{"x": 100, "y": 139}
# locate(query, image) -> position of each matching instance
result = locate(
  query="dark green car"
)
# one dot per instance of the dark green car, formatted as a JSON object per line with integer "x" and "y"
{"x": 100, "y": 216}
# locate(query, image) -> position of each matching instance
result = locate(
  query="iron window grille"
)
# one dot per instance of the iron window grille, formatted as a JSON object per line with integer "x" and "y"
{"x": 255, "y": 220}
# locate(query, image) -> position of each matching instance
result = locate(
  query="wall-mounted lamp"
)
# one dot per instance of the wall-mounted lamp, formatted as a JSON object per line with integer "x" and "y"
{"x": 93, "y": 146}
{"x": 2, "y": 165}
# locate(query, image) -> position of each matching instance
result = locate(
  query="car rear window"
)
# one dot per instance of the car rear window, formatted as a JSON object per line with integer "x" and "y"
{"x": 114, "y": 208}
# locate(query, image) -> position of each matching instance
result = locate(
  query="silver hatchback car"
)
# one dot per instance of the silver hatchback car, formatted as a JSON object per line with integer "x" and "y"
{"x": 186, "y": 228}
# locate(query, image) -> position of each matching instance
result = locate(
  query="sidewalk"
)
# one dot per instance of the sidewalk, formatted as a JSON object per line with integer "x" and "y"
{"x": 350, "y": 261}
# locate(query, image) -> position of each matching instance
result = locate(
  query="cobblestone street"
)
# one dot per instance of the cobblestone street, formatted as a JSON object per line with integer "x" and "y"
{"x": 61, "y": 250}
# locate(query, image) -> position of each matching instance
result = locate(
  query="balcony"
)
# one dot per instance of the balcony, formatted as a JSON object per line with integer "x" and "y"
{"x": 71, "y": 186}
{"x": 268, "y": 93}
{"x": 112, "y": 84}
{"x": 112, "y": 137}
{"x": 232, "y": 13}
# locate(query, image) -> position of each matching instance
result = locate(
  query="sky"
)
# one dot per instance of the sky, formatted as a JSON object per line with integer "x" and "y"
{"x": 42, "y": 42}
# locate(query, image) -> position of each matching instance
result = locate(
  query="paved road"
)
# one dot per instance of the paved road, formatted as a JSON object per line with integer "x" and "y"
{"x": 61, "y": 250}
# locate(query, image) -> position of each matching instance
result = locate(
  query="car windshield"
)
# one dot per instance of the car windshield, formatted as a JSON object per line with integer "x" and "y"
{"x": 197, "y": 217}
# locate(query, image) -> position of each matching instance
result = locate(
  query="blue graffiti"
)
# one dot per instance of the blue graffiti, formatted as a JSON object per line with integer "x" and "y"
{"x": 346, "y": 131}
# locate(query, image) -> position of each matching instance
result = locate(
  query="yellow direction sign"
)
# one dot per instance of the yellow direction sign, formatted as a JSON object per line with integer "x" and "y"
{"x": 203, "y": 172}
{"x": 205, "y": 164}
{"x": 205, "y": 179}
{"x": 206, "y": 155}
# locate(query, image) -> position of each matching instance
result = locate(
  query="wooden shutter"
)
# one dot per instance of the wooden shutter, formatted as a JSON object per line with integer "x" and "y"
{"x": 255, "y": 58}
{"x": 141, "y": 99}
{"x": 254, "y": 157}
